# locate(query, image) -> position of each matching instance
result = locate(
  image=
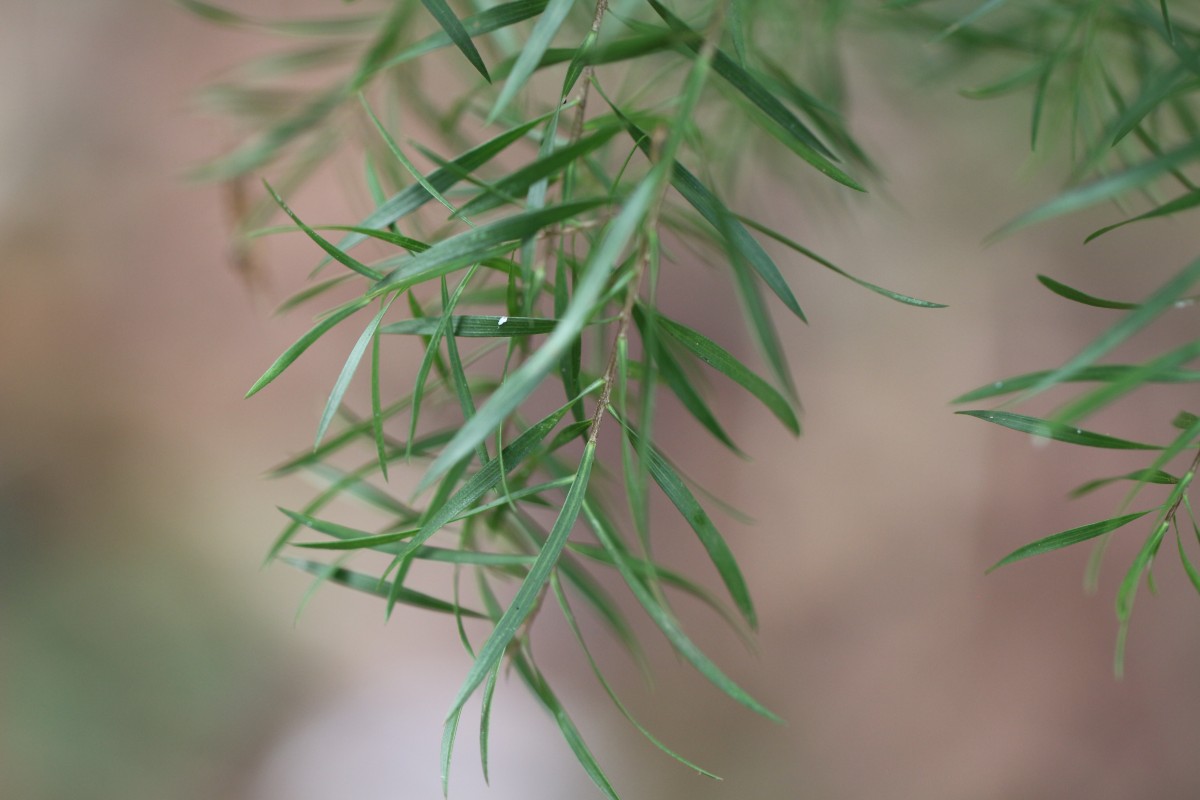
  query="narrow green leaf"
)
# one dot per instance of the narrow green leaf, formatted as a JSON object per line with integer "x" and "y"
{"x": 335, "y": 253}
{"x": 1057, "y": 431}
{"x": 535, "y": 581}
{"x": 1183, "y": 203}
{"x": 970, "y": 19}
{"x": 1148, "y": 311}
{"x": 541, "y": 690}
{"x": 315, "y": 290}
{"x": 1141, "y": 475}
{"x": 354, "y": 485}
{"x": 429, "y": 359}
{"x": 531, "y": 54}
{"x": 343, "y": 380}
{"x": 485, "y": 719}
{"x": 1106, "y": 394}
{"x": 487, "y": 21}
{"x": 1098, "y": 372}
{"x": 723, "y": 221}
{"x": 1018, "y": 80}
{"x": 1074, "y": 295}
{"x": 787, "y": 127}
{"x": 681, "y": 386}
{"x": 449, "y": 732}
{"x": 453, "y": 27}
{"x": 346, "y": 538}
{"x": 404, "y": 160}
{"x": 594, "y": 53}
{"x": 700, "y": 523}
{"x": 386, "y": 37}
{"x": 476, "y": 245}
{"x": 1073, "y": 536}
{"x": 475, "y": 326}
{"x": 323, "y": 27}
{"x": 264, "y": 147}
{"x": 373, "y": 586}
{"x": 736, "y": 19}
{"x": 579, "y": 58}
{"x": 1166, "y": 15}
{"x": 488, "y": 476}
{"x": 1128, "y": 590}
{"x": 724, "y": 362}
{"x": 519, "y": 182}
{"x": 1188, "y": 567}
{"x": 646, "y": 571}
{"x": 1182, "y": 442}
{"x": 666, "y": 622}
{"x": 324, "y": 526}
{"x": 306, "y": 341}
{"x": 462, "y": 388}
{"x": 762, "y": 328}
{"x": 799, "y": 248}
{"x": 1104, "y": 189}
{"x": 414, "y": 197}
{"x": 569, "y": 615}
{"x": 1153, "y": 95}
{"x": 377, "y": 408}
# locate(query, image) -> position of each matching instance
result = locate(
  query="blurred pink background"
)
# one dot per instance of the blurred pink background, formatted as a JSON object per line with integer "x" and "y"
{"x": 145, "y": 654}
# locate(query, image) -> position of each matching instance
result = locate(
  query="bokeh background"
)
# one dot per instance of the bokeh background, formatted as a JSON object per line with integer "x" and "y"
{"x": 144, "y": 652}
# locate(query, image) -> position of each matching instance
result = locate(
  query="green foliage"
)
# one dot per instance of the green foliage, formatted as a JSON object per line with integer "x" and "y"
{"x": 553, "y": 222}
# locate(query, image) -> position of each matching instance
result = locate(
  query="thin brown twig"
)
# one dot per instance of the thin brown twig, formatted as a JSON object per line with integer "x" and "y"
{"x": 588, "y": 73}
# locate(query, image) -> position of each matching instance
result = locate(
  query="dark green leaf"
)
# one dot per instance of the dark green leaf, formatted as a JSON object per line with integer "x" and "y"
{"x": 453, "y": 27}
{"x": 1184, "y": 203}
{"x": 382, "y": 46}
{"x": 343, "y": 380}
{"x": 666, "y": 622}
{"x": 518, "y": 182}
{"x": 681, "y": 386}
{"x": 1148, "y": 311}
{"x": 487, "y": 21}
{"x": 1056, "y": 430}
{"x": 306, "y": 341}
{"x": 1074, "y": 295}
{"x": 697, "y": 518}
{"x": 488, "y": 476}
{"x": 477, "y": 326}
{"x": 1104, "y": 189}
{"x": 1102, "y": 396}
{"x": 1099, "y": 372}
{"x": 541, "y": 690}
{"x": 799, "y": 248}
{"x": 473, "y": 246}
{"x": 533, "y": 585}
{"x": 335, "y": 253}
{"x": 414, "y": 197}
{"x": 1073, "y": 536}
{"x": 1141, "y": 475}
{"x": 531, "y": 54}
{"x": 721, "y": 360}
{"x": 737, "y": 238}
{"x": 786, "y": 126}
{"x": 569, "y": 615}
{"x": 373, "y": 586}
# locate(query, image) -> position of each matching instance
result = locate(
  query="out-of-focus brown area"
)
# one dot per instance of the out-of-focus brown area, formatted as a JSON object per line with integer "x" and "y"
{"x": 146, "y": 655}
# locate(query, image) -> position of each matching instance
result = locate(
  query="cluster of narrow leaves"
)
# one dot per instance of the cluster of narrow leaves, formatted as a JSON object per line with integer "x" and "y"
{"x": 1123, "y": 78}
{"x": 526, "y": 267}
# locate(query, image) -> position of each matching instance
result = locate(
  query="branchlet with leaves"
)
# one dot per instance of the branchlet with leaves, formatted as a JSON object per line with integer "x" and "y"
{"x": 588, "y": 138}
